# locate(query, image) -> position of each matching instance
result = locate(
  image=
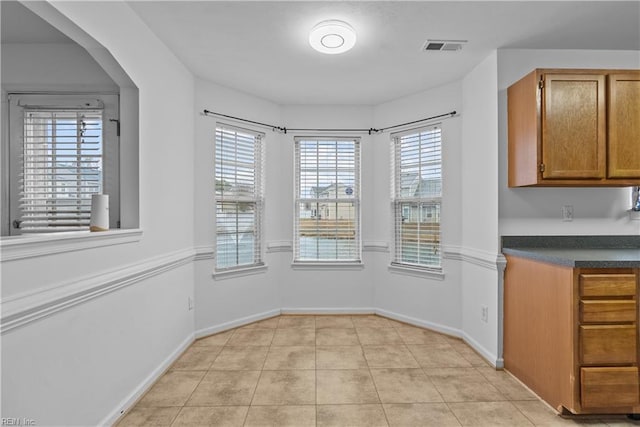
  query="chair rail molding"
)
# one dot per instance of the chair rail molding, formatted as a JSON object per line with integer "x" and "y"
{"x": 22, "y": 309}
{"x": 205, "y": 252}
{"x": 486, "y": 259}
{"x": 280, "y": 246}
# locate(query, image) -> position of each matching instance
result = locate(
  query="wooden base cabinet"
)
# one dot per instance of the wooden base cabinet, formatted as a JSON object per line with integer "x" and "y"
{"x": 571, "y": 335}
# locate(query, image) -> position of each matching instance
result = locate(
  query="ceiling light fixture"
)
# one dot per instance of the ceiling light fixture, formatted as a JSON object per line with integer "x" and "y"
{"x": 332, "y": 37}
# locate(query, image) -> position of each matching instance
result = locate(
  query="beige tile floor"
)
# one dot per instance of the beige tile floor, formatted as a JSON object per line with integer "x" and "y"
{"x": 339, "y": 371}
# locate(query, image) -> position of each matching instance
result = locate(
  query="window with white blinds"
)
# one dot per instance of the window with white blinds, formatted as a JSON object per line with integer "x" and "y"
{"x": 417, "y": 196}
{"x": 62, "y": 149}
{"x": 327, "y": 205}
{"x": 238, "y": 186}
{"x": 62, "y": 166}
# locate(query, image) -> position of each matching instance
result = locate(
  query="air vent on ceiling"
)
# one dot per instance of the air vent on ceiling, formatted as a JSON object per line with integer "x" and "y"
{"x": 443, "y": 45}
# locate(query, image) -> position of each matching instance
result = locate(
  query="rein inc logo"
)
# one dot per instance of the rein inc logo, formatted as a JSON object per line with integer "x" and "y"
{"x": 9, "y": 421}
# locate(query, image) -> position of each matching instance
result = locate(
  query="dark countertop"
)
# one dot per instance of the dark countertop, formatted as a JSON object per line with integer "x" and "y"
{"x": 577, "y": 251}
{"x": 585, "y": 258}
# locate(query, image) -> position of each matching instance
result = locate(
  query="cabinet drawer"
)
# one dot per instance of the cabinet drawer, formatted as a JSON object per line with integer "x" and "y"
{"x": 607, "y": 285}
{"x": 608, "y": 344}
{"x": 608, "y": 387}
{"x": 604, "y": 311}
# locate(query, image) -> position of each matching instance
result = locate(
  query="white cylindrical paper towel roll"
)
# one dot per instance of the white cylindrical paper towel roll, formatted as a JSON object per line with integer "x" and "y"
{"x": 99, "y": 212}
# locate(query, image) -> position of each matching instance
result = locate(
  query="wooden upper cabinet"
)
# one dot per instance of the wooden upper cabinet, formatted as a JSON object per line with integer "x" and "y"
{"x": 624, "y": 125}
{"x": 574, "y": 128}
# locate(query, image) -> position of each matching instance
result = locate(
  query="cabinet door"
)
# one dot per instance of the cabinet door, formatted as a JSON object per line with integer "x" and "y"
{"x": 573, "y": 126}
{"x": 624, "y": 126}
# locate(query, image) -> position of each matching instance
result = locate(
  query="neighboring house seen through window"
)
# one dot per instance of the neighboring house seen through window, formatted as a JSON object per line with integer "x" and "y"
{"x": 417, "y": 196}
{"x": 327, "y": 205}
{"x": 238, "y": 187}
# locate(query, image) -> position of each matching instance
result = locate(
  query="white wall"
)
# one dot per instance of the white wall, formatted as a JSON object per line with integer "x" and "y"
{"x": 52, "y": 67}
{"x": 226, "y": 301}
{"x": 537, "y": 211}
{"x": 82, "y": 363}
{"x": 479, "y": 209}
{"x": 76, "y": 367}
{"x": 322, "y": 289}
{"x": 435, "y": 303}
{"x": 221, "y": 302}
{"x": 427, "y": 301}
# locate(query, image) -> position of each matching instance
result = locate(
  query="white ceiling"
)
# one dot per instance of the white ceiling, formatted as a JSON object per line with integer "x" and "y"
{"x": 261, "y": 47}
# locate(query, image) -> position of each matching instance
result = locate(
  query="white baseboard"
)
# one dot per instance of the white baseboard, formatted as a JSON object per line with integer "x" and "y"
{"x": 437, "y": 327}
{"x": 329, "y": 310}
{"x": 494, "y": 360}
{"x": 160, "y": 370}
{"x": 133, "y": 397}
{"x": 235, "y": 323}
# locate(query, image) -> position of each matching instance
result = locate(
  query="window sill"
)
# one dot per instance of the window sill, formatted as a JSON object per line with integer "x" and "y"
{"x": 416, "y": 272}
{"x": 35, "y": 245}
{"x": 240, "y": 272}
{"x": 356, "y": 265}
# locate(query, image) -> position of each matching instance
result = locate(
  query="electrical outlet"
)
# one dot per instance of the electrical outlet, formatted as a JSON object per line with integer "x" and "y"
{"x": 484, "y": 313}
{"x": 567, "y": 213}
{"x": 190, "y": 303}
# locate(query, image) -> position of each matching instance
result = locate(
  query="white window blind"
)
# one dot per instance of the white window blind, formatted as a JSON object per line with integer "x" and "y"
{"x": 238, "y": 183}
{"x": 327, "y": 205}
{"x": 417, "y": 196}
{"x": 62, "y": 166}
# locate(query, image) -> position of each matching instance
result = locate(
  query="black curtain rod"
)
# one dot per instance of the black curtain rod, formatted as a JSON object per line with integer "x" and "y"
{"x": 370, "y": 130}
{"x": 273, "y": 127}
{"x": 451, "y": 114}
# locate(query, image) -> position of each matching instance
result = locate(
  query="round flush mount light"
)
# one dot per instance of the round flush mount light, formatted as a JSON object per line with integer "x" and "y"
{"x": 332, "y": 37}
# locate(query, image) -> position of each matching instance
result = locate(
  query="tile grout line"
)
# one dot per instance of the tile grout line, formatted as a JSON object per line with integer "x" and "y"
{"x": 459, "y": 350}
{"x": 443, "y": 399}
{"x": 201, "y": 379}
{"x": 452, "y": 413}
{"x": 253, "y": 395}
{"x": 386, "y": 417}
{"x": 422, "y": 368}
